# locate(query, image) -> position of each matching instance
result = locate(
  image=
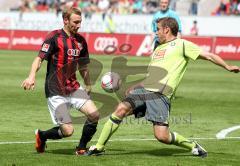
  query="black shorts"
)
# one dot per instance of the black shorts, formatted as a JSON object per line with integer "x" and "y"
{"x": 154, "y": 106}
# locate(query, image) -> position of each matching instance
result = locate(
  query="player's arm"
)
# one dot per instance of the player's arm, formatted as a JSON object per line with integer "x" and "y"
{"x": 218, "y": 61}
{"x": 29, "y": 83}
{"x": 84, "y": 72}
{"x": 47, "y": 49}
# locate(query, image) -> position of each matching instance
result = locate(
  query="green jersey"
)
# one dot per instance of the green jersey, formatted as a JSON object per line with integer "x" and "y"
{"x": 168, "y": 65}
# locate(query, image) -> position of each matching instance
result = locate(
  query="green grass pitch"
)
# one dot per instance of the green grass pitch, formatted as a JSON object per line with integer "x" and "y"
{"x": 207, "y": 101}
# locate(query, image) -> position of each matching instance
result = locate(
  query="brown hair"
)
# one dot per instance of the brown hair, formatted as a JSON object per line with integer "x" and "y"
{"x": 170, "y": 23}
{"x": 69, "y": 11}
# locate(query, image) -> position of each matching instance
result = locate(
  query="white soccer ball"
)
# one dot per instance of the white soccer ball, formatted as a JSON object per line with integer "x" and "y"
{"x": 110, "y": 82}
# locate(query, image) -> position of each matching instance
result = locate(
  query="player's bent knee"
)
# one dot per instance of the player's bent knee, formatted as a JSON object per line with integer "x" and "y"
{"x": 67, "y": 130}
{"x": 94, "y": 116}
{"x": 162, "y": 137}
{"x": 122, "y": 110}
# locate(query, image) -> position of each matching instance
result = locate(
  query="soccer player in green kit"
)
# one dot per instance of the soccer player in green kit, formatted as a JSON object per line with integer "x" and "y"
{"x": 152, "y": 97}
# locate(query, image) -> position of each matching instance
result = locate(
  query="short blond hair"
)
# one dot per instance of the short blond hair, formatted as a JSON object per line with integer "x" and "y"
{"x": 69, "y": 11}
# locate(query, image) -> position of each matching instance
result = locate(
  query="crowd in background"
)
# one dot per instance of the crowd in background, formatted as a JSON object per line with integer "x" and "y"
{"x": 228, "y": 7}
{"x": 92, "y": 6}
{"x": 96, "y": 6}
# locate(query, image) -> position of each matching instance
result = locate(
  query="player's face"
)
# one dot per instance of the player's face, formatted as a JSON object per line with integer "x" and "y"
{"x": 161, "y": 33}
{"x": 73, "y": 24}
{"x": 164, "y": 5}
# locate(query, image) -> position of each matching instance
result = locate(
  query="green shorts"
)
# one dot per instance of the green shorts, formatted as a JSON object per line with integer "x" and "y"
{"x": 153, "y": 105}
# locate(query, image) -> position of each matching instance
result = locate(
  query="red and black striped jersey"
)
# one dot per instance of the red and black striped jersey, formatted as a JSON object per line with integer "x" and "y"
{"x": 64, "y": 55}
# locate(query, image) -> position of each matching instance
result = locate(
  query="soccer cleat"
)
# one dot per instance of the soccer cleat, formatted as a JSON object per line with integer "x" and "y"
{"x": 93, "y": 151}
{"x": 81, "y": 151}
{"x": 198, "y": 150}
{"x": 40, "y": 144}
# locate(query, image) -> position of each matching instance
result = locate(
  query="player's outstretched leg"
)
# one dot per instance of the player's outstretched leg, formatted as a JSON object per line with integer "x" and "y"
{"x": 109, "y": 128}
{"x": 123, "y": 110}
{"x": 196, "y": 148}
{"x": 162, "y": 133}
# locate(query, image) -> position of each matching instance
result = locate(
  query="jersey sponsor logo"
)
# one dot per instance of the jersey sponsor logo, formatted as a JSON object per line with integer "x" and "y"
{"x": 45, "y": 47}
{"x": 73, "y": 52}
{"x": 159, "y": 54}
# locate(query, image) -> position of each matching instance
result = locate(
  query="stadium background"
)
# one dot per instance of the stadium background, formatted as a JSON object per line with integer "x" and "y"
{"x": 207, "y": 101}
{"x": 25, "y": 26}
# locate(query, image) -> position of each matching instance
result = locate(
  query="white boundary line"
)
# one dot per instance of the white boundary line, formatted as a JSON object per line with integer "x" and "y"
{"x": 222, "y": 134}
{"x": 113, "y": 140}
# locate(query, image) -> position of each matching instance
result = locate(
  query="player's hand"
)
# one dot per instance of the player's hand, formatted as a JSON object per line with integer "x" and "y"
{"x": 88, "y": 89}
{"x": 28, "y": 84}
{"x": 234, "y": 69}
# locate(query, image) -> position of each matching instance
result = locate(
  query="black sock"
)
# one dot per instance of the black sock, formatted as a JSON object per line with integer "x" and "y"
{"x": 89, "y": 129}
{"x": 53, "y": 133}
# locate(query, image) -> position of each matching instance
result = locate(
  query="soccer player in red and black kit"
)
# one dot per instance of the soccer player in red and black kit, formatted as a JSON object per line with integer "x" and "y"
{"x": 65, "y": 51}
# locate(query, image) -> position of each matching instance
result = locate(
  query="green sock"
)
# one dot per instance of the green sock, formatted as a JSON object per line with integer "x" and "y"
{"x": 109, "y": 128}
{"x": 179, "y": 140}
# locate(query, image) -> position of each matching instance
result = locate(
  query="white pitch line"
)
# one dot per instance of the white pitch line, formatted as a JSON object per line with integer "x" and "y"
{"x": 113, "y": 140}
{"x": 222, "y": 134}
